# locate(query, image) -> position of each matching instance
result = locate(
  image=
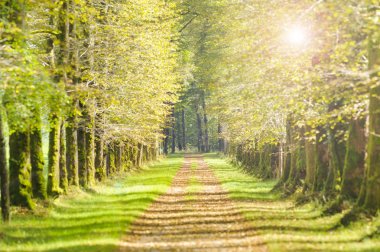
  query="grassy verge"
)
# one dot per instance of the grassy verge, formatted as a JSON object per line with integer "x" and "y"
{"x": 285, "y": 227}
{"x": 90, "y": 221}
{"x": 194, "y": 186}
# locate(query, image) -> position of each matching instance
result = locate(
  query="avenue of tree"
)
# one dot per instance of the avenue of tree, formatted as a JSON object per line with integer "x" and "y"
{"x": 287, "y": 89}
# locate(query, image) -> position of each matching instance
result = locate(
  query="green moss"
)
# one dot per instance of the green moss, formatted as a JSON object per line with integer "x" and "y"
{"x": 20, "y": 187}
{"x": 53, "y": 166}
{"x": 37, "y": 164}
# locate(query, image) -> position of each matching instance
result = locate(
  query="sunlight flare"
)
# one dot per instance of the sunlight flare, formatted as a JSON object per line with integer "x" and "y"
{"x": 297, "y": 35}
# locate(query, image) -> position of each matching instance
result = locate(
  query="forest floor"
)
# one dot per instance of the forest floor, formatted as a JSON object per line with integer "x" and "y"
{"x": 200, "y": 203}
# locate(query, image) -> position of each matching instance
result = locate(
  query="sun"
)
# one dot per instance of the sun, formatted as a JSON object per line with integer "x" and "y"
{"x": 297, "y": 35}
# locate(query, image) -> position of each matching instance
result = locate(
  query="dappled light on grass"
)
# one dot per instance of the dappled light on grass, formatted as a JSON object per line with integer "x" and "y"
{"x": 286, "y": 227}
{"x": 93, "y": 221}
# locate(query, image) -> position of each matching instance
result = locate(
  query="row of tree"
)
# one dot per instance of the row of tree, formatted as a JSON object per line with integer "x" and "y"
{"x": 98, "y": 77}
{"x": 289, "y": 89}
{"x": 299, "y": 98}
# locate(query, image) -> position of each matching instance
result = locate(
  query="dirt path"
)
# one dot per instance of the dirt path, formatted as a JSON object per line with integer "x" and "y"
{"x": 184, "y": 219}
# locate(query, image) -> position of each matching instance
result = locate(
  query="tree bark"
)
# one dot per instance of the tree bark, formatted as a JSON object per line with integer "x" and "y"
{"x": 118, "y": 156}
{"x": 4, "y": 176}
{"x": 372, "y": 187}
{"x": 353, "y": 171}
{"x": 166, "y": 141}
{"x": 72, "y": 152}
{"x": 183, "y": 130}
{"x": 63, "y": 180}
{"x": 82, "y": 170}
{"x": 322, "y": 161}
{"x": 37, "y": 160}
{"x": 99, "y": 157}
{"x": 220, "y": 138}
{"x": 53, "y": 165}
{"x": 173, "y": 140}
{"x": 90, "y": 148}
{"x": 19, "y": 170}
{"x": 200, "y": 133}
{"x": 205, "y": 122}
{"x": 310, "y": 153}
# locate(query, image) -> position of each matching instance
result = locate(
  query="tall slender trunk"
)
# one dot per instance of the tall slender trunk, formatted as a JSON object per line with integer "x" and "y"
{"x": 53, "y": 165}
{"x": 310, "y": 153}
{"x": 4, "y": 175}
{"x": 118, "y": 156}
{"x": 111, "y": 157}
{"x": 178, "y": 129}
{"x": 166, "y": 141}
{"x": 82, "y": 170}
{"x": 205, "y": 122}
{"x": 19, "y": 169}
{"x": 220, "y": 138}
{"x": 140, "y": 154}
{"x": 183, "y": 130}
{"x": 372, "y": 187}
{"x": 37, "y": 160}
{"x": 90, "y": 150}
{"x": 287, "y": 150}
{"x": 298, "y": 158}
{"x": 353, "y": 171}
{"x": 72, "y": 151}
{"x": 100, "y": 167}
{"x": 334, "y": 164}
{"x": 107, "y": 159}
{"x": 321, "y": 161}
{"x": 63, "y": 180}
{"x": 173, "y": 140}
{"x": 200, "y": 133}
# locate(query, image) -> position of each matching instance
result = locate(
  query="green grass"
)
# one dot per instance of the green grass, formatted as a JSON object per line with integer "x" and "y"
{"x": 285, "y": 227}
{"x": 194, "y": 186}
{"x": 90, "y": 221}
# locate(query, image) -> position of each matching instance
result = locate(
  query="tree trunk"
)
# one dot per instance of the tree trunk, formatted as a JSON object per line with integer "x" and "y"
{"x": 107, "y": 160}
{"x": 19, "y": 169}
{"x": 140, "y": 155}
{"x": 37, "y": 161}
{"x": 205, "y": 122}
{"x": 353, "y": 171}
{"x": 90, "y": 148}
{"x": 53, "y": 166}
{"x": 298, "y": 159}
{"x": 200, "y": 133}
{"x": 166, "y": 141}
{"x": 72, "y": 152}
{"x": 99, "y": 157}
{"x": 310, "y": 153}
{"x": 173, "y": 140}
{"x": 220, "y": 138}
{"x": 118, "y": 155}
{"x": 335, "y": 164}
{"x": 287, "y": 154}
{"x": 63, "y": 181}
{"x": 111, "y": 156}
{"x": 322, "y": 161}
{"x": 372, "y": 188}
{"x": 183, "y": 130}
{"x": 82, "y": 170}
{"x": 4, "y": 176}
